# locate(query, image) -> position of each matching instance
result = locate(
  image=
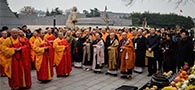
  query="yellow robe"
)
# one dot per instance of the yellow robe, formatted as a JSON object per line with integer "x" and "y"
{"x": 39, "y": 52}
{"x": 2, "y": 61}
{"x": 59, "y": 51}
{"x": 7, "y": 54}
{"x": 31, "y": 41}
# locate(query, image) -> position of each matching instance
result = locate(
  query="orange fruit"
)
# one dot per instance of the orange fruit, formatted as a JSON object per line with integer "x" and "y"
{"x": 184, "y": 72}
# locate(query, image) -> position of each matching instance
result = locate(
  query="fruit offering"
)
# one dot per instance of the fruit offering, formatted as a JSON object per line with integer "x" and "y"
{"x": 185, "y": 80}
{"x": 169, "y": 88}
{"x": 168, "y": 74}
{"x": 154, "y": 87}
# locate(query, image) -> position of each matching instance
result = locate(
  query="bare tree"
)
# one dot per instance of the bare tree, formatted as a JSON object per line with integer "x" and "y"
{"x": 28, "y": 10}
{"x": 177, "y": 2}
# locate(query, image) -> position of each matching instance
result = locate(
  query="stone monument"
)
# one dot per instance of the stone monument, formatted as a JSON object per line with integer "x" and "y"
{"x": 72, "y": 18}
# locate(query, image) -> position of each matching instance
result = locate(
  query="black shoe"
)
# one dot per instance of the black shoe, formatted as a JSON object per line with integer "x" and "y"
{"x": 107, "y": 73}
{"x": 115, "y": 75}
{"x": 137, "y": 72}
{"x": 124, "y": 77}
{"x": 149, "y": 75}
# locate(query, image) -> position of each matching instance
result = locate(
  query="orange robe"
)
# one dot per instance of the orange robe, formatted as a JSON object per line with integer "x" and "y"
{"x": 83, "y": 35}
{"x": 2, "y": 61}
{"x": 104, "y": 35}
{"x": 43, "y": 62}
{"x": 129, "y": 35}
{"x": 93, "y": 36}
{"x": 119, "y": 37}
{"x": 127, "y": 55}
{"x": 62, "y": 57}
{"x": 32, "y": 53}
{"x": 16, "y": 67}
{"x": 50, "y": 38}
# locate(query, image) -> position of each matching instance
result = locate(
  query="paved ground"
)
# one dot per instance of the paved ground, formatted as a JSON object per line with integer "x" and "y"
{"x": 83, "y": 80}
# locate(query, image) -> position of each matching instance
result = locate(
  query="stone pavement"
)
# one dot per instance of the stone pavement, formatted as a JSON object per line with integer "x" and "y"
{"x": 83, "y": 80}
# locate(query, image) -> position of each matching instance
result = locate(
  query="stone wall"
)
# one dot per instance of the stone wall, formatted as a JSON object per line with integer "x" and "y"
{"x": 47, "y": 20}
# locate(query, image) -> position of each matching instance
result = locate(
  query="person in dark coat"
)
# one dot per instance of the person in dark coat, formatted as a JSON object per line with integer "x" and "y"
{"x": 185, "y": 50}
{"x": 169, "y": 57}
{"x": 152, "y": 46}
{"x": 78, "y": 50}
{"x": 159, "y": 55}
{"x": 26, "y": 31}
{"x": 140, "y": 50}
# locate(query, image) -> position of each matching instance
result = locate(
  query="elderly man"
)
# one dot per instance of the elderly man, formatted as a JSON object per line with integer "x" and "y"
{"x": 127, "y": 56}
{"x": 62, "y": 56}
{"x": 112, "y": 55}
{"x": 18, "y": 75}
{"x": 2, "y": 61}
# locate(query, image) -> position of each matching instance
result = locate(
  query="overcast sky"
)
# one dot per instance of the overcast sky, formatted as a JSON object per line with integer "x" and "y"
{"x": 162, "y": 6}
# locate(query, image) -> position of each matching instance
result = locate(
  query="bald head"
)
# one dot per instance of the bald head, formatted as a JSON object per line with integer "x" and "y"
{"x": 112, "y": 35}
{"x": 49, "y": 30}
{"x": 14, "y": 33}
{"x": 124, "y": 35}
{"x": 4, "y": 34}
{"x": 35, "y": 33}
{"x": 21, "y": 33}
{"x": 60, "y": 35}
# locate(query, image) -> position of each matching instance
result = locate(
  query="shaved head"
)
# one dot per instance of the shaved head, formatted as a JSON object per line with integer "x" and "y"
{"x": 14, "y": 33}
{"x": 60, "y": 35}
{"x": 4, "y": 34}
{"x": 124, "y": 35}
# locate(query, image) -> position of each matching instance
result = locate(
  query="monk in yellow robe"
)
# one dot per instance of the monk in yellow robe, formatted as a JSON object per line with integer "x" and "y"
{"x": 31, "y": 41}
{"x": 127, "y": 56}
{"x": 50, "y": 38}
{"x": 24, "y": 42}
{"x": 2, "y": 61}
{"x": 112, "y": 55}
{"x": 62, "y": 56}
{"x": 43, "y": 62}
{"x": 14, "y": 53}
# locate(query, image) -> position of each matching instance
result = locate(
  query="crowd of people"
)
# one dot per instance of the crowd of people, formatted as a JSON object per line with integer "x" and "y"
{"x": 121, "y": 51}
